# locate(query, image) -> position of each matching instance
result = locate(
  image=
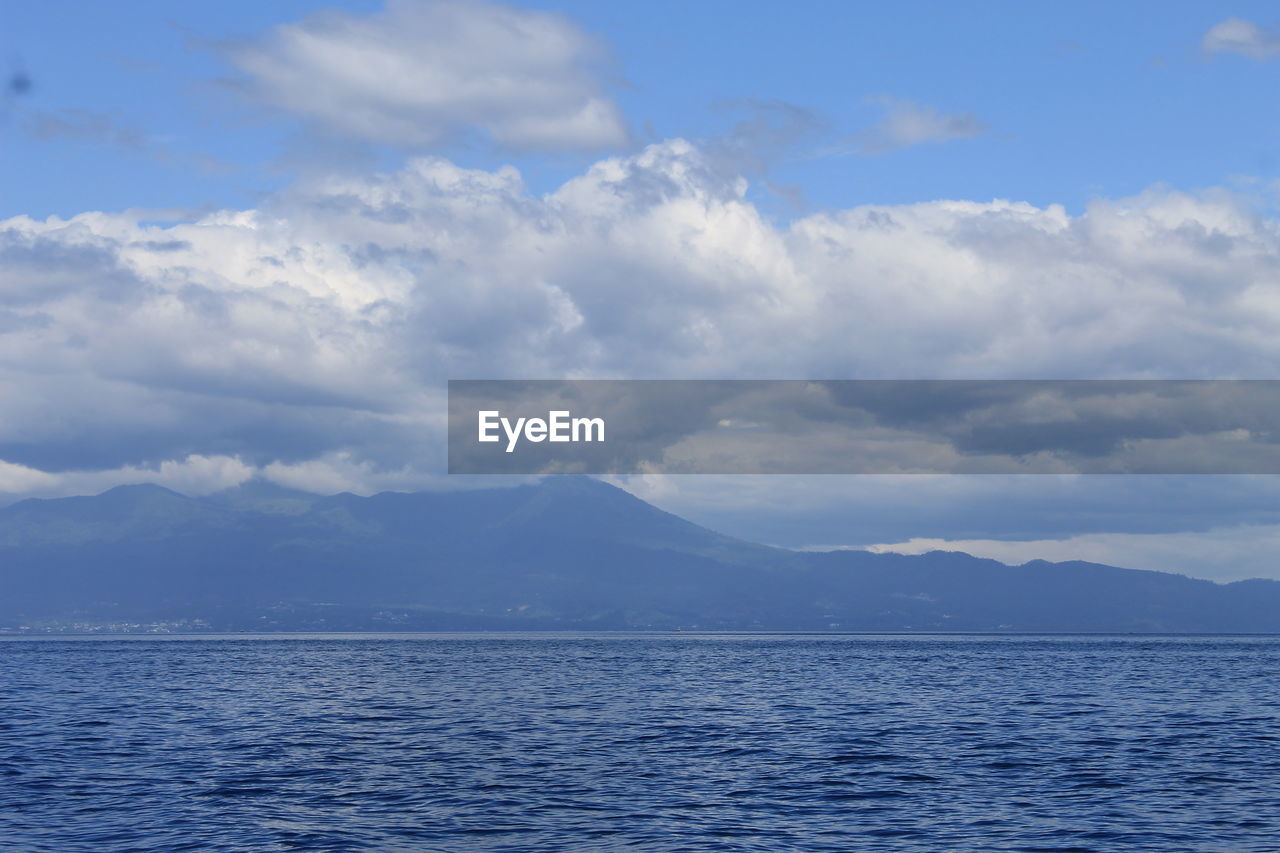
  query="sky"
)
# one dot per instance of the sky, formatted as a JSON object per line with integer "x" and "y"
{"x": 245, "y": 240}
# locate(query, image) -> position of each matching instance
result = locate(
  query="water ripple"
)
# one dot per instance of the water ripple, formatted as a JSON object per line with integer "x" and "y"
{"x": 603, "y": 742}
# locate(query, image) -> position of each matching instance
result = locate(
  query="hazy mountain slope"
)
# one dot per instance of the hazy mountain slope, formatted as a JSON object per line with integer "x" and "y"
{"x": 568, "y": 552}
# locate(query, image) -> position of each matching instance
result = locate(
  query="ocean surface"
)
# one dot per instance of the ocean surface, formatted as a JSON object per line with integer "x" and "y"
{"x": 619, "y": 742}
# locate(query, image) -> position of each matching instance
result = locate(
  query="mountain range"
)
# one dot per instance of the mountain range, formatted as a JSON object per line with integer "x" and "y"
{"x": 565, "y": 553}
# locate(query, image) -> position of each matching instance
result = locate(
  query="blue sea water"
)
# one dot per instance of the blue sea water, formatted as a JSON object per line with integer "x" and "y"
{"x": 618, "y": 742}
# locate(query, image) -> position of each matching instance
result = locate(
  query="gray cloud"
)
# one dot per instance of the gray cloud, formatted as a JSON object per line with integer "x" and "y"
{"x": 906, "y": 123}
{"x": 877, "y": 426}
{"x": 84, "y": 126}
{"x": 767, "y": 131}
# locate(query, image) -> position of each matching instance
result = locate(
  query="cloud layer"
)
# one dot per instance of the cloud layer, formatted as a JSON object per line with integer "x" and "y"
{"x": 420, "y": 73}
{"x": 873, "y": 426}
{"x": 906, "y": 123}
{"x": 322, "y": 325}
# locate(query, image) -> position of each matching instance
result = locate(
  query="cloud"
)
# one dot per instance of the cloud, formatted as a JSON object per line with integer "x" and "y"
{"x": 1222, "y": 554}
{"x": 748, "y": 426}
{"x": 420, "y": 73}
{"x": 906, "y": 123}
{"x": 800, "y": 511}
{"x": 84, "y": 126}
{"x": 319, "y": 328}
{"x": 194, "y": 475}
{"x": 1236, "y": 35}
{"x": 766, "y": 132}
{"x": 111, "y": 130}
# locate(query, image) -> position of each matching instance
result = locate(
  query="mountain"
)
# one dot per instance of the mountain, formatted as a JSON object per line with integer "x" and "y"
{"x": 569, "y": 552}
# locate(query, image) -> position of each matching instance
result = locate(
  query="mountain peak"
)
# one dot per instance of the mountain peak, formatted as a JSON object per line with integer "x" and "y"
{"x": 578, "y": 484}
{"x": 141, "y": 490}
{"x": 264, "y": 495}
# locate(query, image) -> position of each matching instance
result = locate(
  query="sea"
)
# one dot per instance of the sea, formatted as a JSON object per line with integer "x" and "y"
{"x": 670, "y": 742}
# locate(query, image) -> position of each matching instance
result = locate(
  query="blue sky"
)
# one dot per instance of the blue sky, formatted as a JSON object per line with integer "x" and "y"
{"x": 1074, "y": 100}
{"x": 246, "y": 240}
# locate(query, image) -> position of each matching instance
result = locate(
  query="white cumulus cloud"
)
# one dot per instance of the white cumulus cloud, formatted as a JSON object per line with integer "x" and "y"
{"x": 194, "y": 475}
{"x": 316, "y": 332}
{"x": 422, "y": 71}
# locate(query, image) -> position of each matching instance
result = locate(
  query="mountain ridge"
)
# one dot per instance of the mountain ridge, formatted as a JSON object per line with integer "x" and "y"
{"x": 567, "y": 552}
